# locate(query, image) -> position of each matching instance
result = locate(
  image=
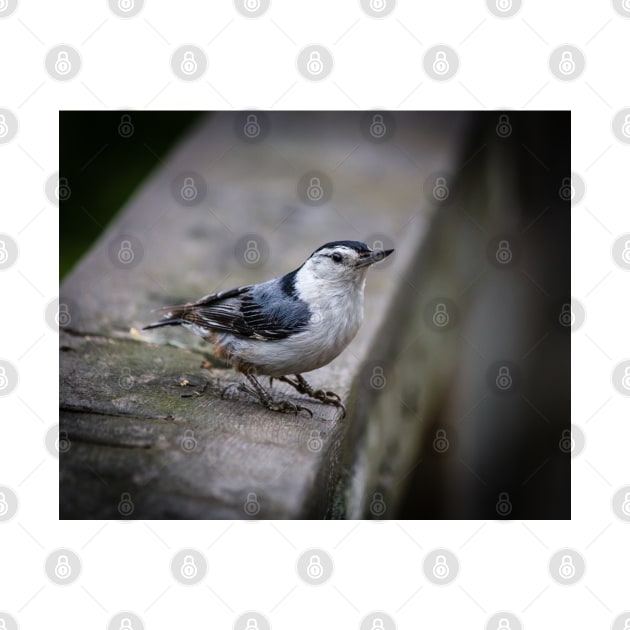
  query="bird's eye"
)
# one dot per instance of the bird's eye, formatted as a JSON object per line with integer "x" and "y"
{"x": 337, "y": 257}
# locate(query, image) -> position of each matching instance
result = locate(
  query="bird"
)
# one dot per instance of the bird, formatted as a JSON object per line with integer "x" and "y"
{"x": 286, "y": 326}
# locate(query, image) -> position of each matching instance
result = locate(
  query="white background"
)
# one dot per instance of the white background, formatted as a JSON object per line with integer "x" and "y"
{"x": 251, "y": 62}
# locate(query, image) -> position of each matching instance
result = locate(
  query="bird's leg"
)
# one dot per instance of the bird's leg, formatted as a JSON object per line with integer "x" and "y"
{"x": 300, "y": 384}
{"x": 258, "y": 391}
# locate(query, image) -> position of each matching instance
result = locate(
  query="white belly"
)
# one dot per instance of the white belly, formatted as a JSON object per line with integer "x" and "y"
{"x": 333, "y": 326}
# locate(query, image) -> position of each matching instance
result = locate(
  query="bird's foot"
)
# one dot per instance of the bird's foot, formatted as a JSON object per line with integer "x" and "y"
{"x": 228, "y": 387}
{"x": 328, "y": 398}
{"x": 281, "y": 406}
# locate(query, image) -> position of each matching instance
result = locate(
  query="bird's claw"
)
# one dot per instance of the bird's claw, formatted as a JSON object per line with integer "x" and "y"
{"x": 285, "y": 406}
{"x": 281, "y": 406}
{"x": 321, "y": 395}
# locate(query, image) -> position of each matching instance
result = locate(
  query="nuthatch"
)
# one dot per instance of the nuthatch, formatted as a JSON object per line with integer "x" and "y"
{"x": 289, "y": 325}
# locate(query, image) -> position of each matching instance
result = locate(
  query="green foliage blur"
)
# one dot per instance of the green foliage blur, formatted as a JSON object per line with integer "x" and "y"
{"x": 103, "y": 157}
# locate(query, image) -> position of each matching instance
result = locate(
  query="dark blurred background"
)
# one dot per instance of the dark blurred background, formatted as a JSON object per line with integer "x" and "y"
{"x": 95, "y": 146}
{"x": 509, "y": 448}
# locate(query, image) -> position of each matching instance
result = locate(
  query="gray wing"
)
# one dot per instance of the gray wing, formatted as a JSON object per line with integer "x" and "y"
{"x": 261, "y": 312}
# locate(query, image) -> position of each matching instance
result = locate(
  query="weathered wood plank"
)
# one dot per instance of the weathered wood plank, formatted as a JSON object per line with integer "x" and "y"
{"x": 128, "y": 402}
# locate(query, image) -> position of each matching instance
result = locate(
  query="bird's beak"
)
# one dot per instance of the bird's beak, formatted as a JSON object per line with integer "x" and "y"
{"x": 376, "y": 255}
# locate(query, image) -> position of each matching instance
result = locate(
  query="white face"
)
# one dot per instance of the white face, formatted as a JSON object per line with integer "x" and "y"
{"x": 337, "y": 264}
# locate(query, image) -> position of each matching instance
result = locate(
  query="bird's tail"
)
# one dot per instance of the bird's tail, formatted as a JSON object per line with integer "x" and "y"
{"x": 172, "y": 321}
{"x": 174, "y": 317}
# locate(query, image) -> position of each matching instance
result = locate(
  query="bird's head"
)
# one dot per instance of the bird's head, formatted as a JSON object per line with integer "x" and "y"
{"x": 343, "y": 261}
